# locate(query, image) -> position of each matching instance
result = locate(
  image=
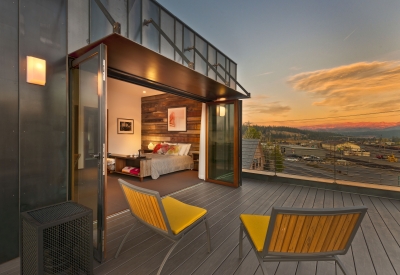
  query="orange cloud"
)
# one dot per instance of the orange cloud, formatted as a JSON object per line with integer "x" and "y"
{"x": 354, "y": 86}
{"x": 260, "y": 105}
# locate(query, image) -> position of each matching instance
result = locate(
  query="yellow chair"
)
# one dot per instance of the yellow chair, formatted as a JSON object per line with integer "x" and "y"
{"x": 169, "y": 217}
{"x": 297, "y": 234}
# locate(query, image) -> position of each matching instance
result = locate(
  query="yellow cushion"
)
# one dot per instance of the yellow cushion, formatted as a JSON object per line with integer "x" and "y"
{"x": 257, "y": 227}
{"x": 181, "y": 215}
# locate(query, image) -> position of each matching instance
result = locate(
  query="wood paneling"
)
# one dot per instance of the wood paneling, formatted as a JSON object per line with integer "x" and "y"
{"x": 155, "y": 118}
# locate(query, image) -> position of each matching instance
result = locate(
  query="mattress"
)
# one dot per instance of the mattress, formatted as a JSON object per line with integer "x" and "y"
{"x": 164, "y": 164}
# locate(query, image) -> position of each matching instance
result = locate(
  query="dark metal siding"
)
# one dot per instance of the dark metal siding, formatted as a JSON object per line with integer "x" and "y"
{"x": 43, "y": 109}
{"x": 9, "y": 196}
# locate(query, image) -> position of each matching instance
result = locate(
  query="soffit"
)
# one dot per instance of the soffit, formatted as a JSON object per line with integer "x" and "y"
{"x": 131, "y": 58}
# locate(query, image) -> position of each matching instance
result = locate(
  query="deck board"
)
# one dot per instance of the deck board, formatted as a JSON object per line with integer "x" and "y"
{"x": 381, "y": 264}
{"x": 374, "y": 250}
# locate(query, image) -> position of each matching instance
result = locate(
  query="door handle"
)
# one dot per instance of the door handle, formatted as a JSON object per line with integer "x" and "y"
{"x": 97, "y": 156}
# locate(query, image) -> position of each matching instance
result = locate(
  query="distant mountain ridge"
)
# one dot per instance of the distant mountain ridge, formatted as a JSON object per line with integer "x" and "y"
{"x": 389, "y": 132}
{"x": 283, "y": 133}
{"x": 290, "y": 133}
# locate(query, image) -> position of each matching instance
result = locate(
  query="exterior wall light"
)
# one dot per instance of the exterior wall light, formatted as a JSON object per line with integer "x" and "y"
{"x": 36, "y": 70}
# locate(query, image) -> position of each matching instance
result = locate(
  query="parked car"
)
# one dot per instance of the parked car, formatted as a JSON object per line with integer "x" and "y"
{"x": 312, "y": 158}
{"x": 292, "y": 159}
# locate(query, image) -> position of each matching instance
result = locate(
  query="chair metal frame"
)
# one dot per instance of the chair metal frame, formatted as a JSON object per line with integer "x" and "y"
{"x": 269, "y": 256}
{"x": 168, "y": 234}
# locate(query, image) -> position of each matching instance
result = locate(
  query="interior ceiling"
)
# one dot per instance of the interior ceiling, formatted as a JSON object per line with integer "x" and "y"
{"x": 132, "y": 62}
{"x": 115, "y": 85}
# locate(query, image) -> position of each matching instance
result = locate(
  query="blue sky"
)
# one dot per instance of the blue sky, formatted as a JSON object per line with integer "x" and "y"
{"x": 307, "y": 59}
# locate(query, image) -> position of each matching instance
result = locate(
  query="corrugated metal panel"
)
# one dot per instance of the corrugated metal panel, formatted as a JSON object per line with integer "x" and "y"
{"x": 9, "y": 203}
{"x": 43, "y": 109}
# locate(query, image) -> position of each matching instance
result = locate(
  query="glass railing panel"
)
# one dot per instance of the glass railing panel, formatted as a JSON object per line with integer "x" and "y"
{"x": 361, "y": 158}
{"x": 167, "y": 25}
{"x": 212, "y": 59}
{"x": 201, "y": 46}
{"x": 188, "y": 42}
{"x": 178, "y": 40}
{"x": 221, "y": 60}
{"x": 135, "y": 22}
{"x": 151, "y": 36}
{"x": 232, "y": 69}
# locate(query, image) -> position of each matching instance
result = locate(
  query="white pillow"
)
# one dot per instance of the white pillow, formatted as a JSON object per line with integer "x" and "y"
{"x": 187, "y": 149}
{"x": 182, "y": 150}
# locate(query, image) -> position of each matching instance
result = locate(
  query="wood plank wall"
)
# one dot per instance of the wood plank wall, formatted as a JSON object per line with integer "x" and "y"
{"x": 155, "y": 119}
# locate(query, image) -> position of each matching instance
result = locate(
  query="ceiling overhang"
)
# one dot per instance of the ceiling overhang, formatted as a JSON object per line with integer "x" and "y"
{"x": 132, "y": 62}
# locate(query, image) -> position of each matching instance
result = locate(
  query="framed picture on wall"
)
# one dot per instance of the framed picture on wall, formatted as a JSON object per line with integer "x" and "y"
{"x": 177, "y": 119}
{"x": 124, "y": 126}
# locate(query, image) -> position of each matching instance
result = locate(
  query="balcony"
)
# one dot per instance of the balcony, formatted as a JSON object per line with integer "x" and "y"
{"x": 374, "y": 250}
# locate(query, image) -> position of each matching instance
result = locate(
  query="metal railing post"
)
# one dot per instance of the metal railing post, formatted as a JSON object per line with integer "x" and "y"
{"x": 334, "y": 164}
{"x": 275, "y": 159}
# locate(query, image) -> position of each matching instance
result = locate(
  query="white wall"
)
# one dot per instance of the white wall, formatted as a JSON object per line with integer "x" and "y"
{"x": 123, "y": 101}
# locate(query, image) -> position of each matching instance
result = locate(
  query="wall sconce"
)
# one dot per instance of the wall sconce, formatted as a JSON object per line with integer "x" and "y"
{"x": 221, "y": 110}
{"x": 150, "y": 146}
{"x": 36, "y": 70}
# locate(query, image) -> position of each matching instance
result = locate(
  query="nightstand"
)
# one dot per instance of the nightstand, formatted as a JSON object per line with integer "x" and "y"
{"x": 195, "y": 157}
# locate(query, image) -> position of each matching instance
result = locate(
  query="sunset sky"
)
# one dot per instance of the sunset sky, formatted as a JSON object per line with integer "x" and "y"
{"x": 307, "y": 63}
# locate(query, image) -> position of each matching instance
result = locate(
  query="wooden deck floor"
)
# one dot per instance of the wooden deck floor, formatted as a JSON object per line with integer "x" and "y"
{"x": 375, "y": 249}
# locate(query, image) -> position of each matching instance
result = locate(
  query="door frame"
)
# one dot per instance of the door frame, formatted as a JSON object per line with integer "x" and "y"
{"x": 237, "y": 150}
{"x": 100, "y": 50}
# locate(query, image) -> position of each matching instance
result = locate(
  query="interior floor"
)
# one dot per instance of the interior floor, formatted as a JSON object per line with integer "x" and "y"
{"x": 166, "y": 184}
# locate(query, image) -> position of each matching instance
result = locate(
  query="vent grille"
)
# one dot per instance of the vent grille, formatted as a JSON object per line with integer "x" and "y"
{"x": 57, "y": 240}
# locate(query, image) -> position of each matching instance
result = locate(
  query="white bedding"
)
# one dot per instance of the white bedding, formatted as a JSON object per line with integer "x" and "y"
{"x": 164, "y": 164}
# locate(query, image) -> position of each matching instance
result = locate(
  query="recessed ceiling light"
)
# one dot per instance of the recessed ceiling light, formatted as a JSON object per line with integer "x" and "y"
{"x": 144, "y": 92}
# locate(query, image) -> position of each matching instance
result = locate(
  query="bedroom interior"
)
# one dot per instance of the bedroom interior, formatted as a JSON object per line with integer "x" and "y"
{"x": 148, "y": 109}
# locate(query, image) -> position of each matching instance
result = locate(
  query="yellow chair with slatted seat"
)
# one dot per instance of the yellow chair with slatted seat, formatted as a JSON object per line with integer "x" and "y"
{"x": 299, "y": 234}
{"x": 169, "y": 217}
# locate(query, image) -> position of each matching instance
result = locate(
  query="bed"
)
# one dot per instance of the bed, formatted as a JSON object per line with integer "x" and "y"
{"x": 164, "y": 164}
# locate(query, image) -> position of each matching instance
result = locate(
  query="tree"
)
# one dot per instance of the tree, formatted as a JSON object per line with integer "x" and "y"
{"x": 278, "y": 159}
{"x": 252, "y": 133}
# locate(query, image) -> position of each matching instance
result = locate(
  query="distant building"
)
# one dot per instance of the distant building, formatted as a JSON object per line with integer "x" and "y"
{"x": 252, "y": 154}
{"x": 347, "y": 149}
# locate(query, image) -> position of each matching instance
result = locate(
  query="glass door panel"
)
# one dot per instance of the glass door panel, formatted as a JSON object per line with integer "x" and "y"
{"x": 88, "y": 139}
{"x": 223, "y": 143}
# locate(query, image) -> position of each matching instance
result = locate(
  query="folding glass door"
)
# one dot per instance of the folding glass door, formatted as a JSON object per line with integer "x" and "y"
{"x": 88, "y": 138}
{"x": 223, "y": 154}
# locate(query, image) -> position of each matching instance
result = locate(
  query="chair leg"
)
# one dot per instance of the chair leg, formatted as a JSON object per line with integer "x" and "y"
{"x": 241, "y": 241}
{"x": 122, "y": 243}
{"x": 260, "y": 260}
{"x": 167, "y": 256}
{"x": 208, "y": 235}
{"x": 340, "y": 264}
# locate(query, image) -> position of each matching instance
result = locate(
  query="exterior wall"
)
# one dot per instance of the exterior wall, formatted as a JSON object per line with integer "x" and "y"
{"x": 9, "y": 144}
{"x": 155, "y": 121}
{"x": 43, "y": 109}
{"x": 33, "y": 162}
